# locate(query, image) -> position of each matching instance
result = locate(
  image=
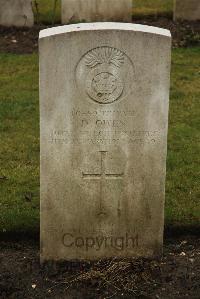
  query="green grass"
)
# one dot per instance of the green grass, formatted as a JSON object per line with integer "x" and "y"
{"x": 19, "y": 150}
{"x": 183, "y": 164}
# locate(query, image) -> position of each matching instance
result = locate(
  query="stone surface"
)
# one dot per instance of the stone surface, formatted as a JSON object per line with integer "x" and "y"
{"x": 187, "y": 10}
{"x": 104, "y": 90}
{"x": 16, "y": 13}
{"x": 96, "y": 10}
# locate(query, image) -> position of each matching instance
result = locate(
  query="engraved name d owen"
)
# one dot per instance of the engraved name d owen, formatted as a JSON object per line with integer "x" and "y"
{"x": 104, "y": 74}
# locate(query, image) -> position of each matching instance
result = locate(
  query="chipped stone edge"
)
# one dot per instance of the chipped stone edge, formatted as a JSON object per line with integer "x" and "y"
{"x": 103, "y": 26}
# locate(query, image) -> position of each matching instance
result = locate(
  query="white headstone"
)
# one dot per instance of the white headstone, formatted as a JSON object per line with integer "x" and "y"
{"x": 16, "y": 13}
{"x": 104, "y": 92}
{"x": 96, "y": 10}
{"x": 187, "y": 10}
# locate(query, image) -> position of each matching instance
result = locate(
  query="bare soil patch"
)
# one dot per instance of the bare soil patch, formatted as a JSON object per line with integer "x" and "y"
{"x": 175, "y": 275}
{"x": 25, "y": 40}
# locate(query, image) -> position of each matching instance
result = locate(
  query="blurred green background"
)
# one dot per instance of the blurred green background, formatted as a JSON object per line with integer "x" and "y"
{"x": 49, "y": 11}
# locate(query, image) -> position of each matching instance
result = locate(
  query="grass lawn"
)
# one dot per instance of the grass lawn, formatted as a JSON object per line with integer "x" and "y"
{"x": 19, "y": 150}
{"x": 140, "y": 8}
{"x": 183, "y": 164}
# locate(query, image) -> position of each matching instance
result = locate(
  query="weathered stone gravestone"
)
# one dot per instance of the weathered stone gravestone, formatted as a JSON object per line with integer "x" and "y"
{"x": 16, "y": 13}
{"x": 96, "y": 10}
{"x": 187, "y": 10}
{"x": 104, "y": 91}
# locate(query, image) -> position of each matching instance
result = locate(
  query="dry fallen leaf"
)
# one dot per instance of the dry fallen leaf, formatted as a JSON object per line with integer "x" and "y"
{"x": 182, "y": 253}
{"x": 33, "y": 286}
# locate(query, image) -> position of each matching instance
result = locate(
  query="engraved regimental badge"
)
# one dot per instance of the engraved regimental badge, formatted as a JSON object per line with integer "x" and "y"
{"x": 104, "y": 74}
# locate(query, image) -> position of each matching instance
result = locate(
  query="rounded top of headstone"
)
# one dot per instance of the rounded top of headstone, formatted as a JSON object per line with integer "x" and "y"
{"x": 103, "y": 26}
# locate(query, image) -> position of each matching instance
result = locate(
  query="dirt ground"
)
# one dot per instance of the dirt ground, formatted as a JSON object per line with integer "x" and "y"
{"x": 25, "y": 40}
{"x": 175, "y": 275}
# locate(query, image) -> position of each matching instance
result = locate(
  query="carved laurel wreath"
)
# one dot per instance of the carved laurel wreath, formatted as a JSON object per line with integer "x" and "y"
{"x": 104, "y": 55}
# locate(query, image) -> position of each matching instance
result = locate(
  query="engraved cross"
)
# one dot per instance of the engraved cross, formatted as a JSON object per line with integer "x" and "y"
{"x": 102, "y": 176}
